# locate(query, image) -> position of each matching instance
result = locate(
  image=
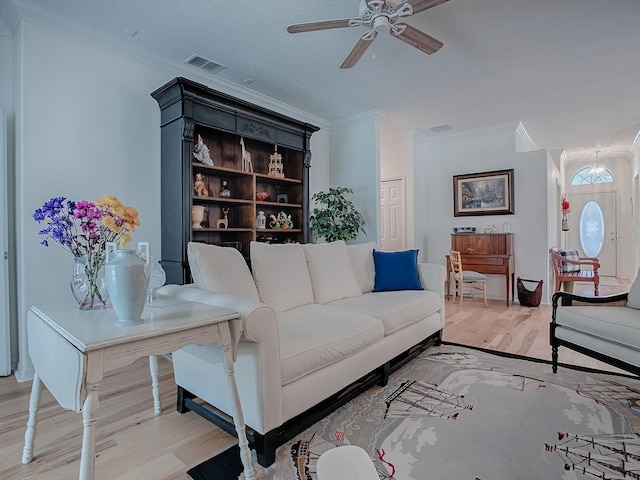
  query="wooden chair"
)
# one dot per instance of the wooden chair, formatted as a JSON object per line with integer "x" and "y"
{"x": 568, "y": 269}
{"x": 467, "y": 279}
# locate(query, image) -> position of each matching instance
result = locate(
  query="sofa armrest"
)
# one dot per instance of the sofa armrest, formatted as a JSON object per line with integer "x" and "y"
{"x": 257, "y": 322}
{"x": 432, "y": 276}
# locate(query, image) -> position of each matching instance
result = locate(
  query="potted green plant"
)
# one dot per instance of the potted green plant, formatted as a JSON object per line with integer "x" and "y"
{"x": 335, "y": 217}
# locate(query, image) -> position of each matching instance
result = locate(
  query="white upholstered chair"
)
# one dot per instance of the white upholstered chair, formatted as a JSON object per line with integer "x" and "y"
{"x": 467, "y": 280}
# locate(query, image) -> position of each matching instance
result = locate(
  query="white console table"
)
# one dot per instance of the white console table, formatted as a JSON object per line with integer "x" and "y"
{"x": 72, "y": 349}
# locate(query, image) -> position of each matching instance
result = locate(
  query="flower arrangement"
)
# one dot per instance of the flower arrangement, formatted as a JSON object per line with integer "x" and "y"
{"x": 565, "y": 206}
{"x": 83, "y": 229}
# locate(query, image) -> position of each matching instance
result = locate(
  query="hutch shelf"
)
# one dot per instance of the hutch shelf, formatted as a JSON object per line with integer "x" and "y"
{"x": 255, "y": 160}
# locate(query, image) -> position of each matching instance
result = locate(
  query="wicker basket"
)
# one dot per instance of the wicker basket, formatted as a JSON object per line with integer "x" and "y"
{"x": 529, "y": 298}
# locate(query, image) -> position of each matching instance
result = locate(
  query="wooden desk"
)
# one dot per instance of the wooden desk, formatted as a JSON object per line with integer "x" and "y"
{"x": 487, "y": 253}
{"x": 72, "y": 349}
{"x": 489, "y": 265}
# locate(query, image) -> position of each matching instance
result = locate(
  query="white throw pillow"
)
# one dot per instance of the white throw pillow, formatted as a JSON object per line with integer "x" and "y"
{"x": 633, "y": 300}
{"x": 361, "y": 256}
{"x": 221, "y": 270}
{"x": 281, "y": 275}
{"x": 331, "y": 273}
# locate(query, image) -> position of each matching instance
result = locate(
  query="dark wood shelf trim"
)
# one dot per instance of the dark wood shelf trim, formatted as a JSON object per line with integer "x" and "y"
{"x": 234, "y": 201}
{"x": 267, "y": 203}
{"x": 248, "y": 230}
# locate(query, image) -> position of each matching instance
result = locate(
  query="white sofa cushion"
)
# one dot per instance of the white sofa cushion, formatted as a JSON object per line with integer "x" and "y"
{"x": 332, "y": 276}
{"x": 281, "y": 275}
{"x": 314, "y": 336}
{"x": 395, "y": 309}
{"x": 633, "y": 300}
{"x": 221, "y": 270}
{"x": 361, "y": 256}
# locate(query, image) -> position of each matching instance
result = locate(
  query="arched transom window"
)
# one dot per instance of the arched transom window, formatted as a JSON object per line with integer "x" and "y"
{"x": 586, "y": 176}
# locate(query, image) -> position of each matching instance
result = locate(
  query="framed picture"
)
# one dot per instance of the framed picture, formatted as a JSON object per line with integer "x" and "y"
{"x": 486, "y": 193}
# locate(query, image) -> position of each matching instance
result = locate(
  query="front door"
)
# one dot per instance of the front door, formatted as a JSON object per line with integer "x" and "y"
{"x": 590, "y": 234}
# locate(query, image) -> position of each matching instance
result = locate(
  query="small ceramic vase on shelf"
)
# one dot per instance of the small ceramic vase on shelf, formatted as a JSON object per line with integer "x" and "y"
{"x": 127, "y": 272}
{"x": 197, "y": 216}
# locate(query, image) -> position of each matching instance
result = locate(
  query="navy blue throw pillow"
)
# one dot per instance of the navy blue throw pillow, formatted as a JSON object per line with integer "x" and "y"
{"x": 396, "y": 271}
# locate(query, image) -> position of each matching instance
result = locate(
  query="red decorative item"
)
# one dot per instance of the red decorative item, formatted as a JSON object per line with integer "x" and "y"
{"x": 565, "y": 205}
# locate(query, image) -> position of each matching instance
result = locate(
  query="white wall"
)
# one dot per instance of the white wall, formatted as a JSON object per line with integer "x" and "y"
{"x": 480, "y": 150}
{"x": 396, "y": 161}
{"x": 86, "y": 124}
{"x": 355, "y": 163}
{"x": 635, "y": 202}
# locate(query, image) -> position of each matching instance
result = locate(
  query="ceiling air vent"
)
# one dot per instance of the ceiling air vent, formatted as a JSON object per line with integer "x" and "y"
{"x": 440, "y": 128}
{"x": 208, "y": 65}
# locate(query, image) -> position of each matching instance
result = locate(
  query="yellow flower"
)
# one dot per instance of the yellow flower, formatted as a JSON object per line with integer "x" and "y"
{"x": 124, "y": 239}
{"x": 110, "y": 223}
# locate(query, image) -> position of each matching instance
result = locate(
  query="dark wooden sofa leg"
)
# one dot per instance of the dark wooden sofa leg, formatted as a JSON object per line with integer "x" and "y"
{"x": 554, "y": 358}
{"x": 182, "y": 396}
{"x": 265, "y": 446}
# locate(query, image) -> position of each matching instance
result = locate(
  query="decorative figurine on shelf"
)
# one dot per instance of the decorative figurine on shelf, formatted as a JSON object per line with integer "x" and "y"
{"x": 199, "y": 186}
{"x": 247, "y": 166}
{"x": 224, "y": 190}
{"x": 281, "y": 197}
{"x": 282, "y": 221}
{"x": 261, "y": 221}
{"x": 223, "y": 222}
{"x": 262, "y": 196}
{"x": 276, "y": 169}
{"x": 201, "y": 152}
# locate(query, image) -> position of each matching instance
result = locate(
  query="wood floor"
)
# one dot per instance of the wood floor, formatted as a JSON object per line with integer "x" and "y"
{"x": 134, "y": 443}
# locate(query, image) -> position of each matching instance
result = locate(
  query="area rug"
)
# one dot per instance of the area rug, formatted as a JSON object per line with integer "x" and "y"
{"x": 459, "y": 413}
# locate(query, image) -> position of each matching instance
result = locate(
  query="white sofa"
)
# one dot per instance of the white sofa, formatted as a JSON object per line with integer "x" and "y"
{"x": 312, "y": 333}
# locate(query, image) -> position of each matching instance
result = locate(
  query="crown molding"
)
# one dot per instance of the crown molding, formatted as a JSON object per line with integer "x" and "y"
{"x": 9, "y": 18}
{"x": 449, "y": 135}
{"x": 635, "y": 145}
{"x": 28, "y": 11}
{"x": 358, "y": 119}
{"x": 526, "y": 138}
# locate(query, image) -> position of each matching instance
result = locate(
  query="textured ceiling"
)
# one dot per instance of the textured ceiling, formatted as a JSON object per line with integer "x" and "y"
{"x": 568, "y": 69}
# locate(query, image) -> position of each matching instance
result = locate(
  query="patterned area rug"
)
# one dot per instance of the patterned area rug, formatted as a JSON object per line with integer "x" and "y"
{"x": 461, "y": 413}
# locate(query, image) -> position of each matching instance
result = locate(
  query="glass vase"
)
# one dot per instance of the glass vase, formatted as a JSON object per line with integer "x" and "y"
{"x": 565, "y": 223}
{"x": 88, "y": 283}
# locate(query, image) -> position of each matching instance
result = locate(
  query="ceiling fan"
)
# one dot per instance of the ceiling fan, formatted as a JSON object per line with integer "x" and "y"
{"x": 380, "y": 16}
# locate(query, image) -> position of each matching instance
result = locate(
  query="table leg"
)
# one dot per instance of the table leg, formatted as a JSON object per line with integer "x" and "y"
{"x": 506, "y": 280}
{"x": 30, "y": 433}
{"x": 238, "y": 416}
{"x": 155, "y": 384}
{"x": 89, "y": 416}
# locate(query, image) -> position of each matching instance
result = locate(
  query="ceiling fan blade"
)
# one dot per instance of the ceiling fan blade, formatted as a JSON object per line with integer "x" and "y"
{"x": 356, "y": 53}
{"x": 313, "y": 26}
{"x": 420, "y": 5}
{"x": 418, "y": 39}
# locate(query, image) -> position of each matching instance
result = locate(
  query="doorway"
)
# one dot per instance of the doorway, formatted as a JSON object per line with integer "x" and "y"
{"x": 5, "y": 327}
{"x": 392, "y": 214}
{"x": 589, "y": 233}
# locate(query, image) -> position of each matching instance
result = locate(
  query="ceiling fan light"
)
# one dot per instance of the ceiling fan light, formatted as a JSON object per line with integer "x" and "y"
{"x": 381, "y": 24}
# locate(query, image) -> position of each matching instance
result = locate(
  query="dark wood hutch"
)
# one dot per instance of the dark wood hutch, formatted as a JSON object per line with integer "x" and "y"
{"x": 229, "y": 127}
